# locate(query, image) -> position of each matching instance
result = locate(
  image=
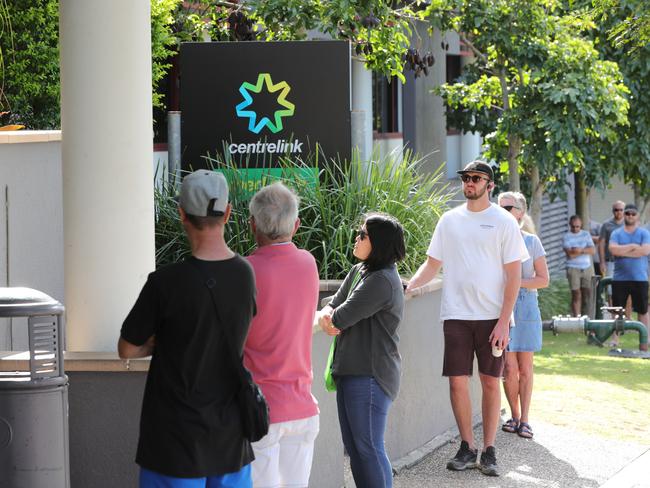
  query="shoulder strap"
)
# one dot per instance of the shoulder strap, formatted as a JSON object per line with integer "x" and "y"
{"x": 209, "y": 283}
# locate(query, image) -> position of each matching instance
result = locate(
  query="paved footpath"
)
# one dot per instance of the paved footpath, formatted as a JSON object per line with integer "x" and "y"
{"x": 556, "y": 457}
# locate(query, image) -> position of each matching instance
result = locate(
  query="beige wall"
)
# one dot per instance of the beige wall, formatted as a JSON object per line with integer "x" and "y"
{"x": 601, "y": 204}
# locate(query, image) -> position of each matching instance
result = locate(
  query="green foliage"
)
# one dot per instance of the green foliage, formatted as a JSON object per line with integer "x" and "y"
{"x": 379, "y": 30}
{"x": 330, "y": 211}
{"x": 555, "y": 299}
{"x": 631, "y": 152}
{"x": 162, "y": 41}
{"x": 29, "y": 62}
{"x": 538, "y": 90}
{"x": 631, "y": 22}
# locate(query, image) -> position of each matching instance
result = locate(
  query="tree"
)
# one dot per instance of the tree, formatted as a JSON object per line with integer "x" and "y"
{"x": 29, "y": 62}
{"x": 537, "y": 91}
{"x": 632, "y": 149}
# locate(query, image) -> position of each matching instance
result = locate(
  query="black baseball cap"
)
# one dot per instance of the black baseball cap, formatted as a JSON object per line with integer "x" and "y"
{"x": 631, "y": 206}
{"x": 478, "y": 167}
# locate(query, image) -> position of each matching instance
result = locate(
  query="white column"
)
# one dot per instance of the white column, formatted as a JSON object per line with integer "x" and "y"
{"x": 361, "y": 109}
{"x": 107, "y": 173}
{"x": 470, "y": 147}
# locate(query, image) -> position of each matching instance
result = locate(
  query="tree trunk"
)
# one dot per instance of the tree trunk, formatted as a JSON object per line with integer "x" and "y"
{"x": 640, "y": 202}
{"x": 536, "y": 199}
{"x": 514, "y": 148}
{"x": 582, "y": 199}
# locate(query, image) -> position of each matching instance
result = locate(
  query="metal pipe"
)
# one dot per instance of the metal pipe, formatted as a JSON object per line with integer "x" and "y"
{"x": 600, "y": 329}
{"x": 174, "y": 147}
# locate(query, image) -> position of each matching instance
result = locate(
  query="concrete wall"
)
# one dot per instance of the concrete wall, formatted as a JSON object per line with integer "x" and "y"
{"x": 105, "y": 407}
{"x": 424, "y": 124}
{"x": 422, "y": 410}
{"x": 31, "y": 221}
{"x": 600, "y": 204}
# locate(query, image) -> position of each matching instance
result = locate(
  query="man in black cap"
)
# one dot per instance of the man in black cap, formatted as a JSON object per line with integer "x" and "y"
{"x": 630, "y": 245}
{"x": 190, "y": 429}
{"x": 480, "y": 247}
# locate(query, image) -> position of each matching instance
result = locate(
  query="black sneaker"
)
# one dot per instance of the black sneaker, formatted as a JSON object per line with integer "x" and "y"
{"x": 464, "y": 459}
{"x": 488, "y": 464}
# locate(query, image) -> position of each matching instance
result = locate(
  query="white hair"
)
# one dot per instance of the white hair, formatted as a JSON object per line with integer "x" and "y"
{"x": 275, "y": 210}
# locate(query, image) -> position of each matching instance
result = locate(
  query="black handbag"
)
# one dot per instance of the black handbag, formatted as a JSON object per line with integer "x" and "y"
{"x": 253, "y": 410}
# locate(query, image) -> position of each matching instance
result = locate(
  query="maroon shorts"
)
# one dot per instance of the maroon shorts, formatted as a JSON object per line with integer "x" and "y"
{"x": 463, "y": 338}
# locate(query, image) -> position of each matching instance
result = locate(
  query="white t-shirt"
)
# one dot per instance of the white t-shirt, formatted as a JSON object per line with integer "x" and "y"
{"x": 473, "y": 247}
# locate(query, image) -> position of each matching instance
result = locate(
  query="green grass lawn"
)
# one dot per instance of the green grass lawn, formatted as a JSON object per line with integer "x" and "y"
{"x": 579, "y": 386}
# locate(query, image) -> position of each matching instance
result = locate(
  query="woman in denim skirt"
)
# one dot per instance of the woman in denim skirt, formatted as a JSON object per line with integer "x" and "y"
{"x": 526, "y": 335}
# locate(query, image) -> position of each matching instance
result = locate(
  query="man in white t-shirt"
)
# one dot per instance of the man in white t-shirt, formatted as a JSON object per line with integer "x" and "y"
{"x": 480, "y": 247}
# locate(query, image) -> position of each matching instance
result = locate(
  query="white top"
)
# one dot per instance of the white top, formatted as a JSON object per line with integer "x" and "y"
{"x": 473, "y": 247}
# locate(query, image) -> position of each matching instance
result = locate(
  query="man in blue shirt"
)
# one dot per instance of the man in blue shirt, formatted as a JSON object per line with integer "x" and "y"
{"x": 630, "y": 245}
{"x": 579, "y": 247}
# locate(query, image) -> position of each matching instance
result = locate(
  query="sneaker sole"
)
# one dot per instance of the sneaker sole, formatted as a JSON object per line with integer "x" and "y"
{"x": 488, "y": 471}
{"x": 460, "y": 467}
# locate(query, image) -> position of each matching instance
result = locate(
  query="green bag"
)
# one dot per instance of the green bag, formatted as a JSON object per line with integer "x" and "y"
{"x": 330, "y": 384}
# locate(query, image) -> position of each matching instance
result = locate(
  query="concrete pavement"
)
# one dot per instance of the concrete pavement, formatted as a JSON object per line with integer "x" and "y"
{"x": 556, "y": 457}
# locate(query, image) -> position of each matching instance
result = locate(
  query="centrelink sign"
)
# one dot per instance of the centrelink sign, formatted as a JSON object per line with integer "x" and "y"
{"x": 255, "y": 102}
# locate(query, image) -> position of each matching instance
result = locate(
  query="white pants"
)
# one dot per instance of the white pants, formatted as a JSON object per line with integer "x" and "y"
{"x": 283, "y": 457}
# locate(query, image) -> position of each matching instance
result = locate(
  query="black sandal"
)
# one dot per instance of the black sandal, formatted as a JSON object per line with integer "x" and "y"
{"x": 525, "y": 431}
{"x": 511, "y": 426}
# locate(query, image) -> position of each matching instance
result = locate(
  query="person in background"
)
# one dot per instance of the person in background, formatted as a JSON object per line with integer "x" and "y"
{"x": 579, "y": 247}
{"x": 526, "y": 335}
{"x": 480, "y": 248}
{"x": 191, "y": 434}
{"x": 279, "y": 344}
{"x": 606, "y": 229}
{"x": 631, "y": 247}
{"x": 365, "y": 314}
{"x": 594, "y": 230}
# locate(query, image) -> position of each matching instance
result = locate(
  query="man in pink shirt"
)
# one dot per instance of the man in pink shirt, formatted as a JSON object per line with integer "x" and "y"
{"x": 279, "y": 343}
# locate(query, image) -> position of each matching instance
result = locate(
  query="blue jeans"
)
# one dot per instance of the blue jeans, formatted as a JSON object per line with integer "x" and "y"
{"x": 363, "y": 411}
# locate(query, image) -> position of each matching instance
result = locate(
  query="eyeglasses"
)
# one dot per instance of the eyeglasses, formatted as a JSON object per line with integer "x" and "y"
{"x": 509, "y": 207}
{"x": 617, "y": 210}
{"x": 362, "y": 234}
{"x": 630, "y": 213}
{"x": 475, "y": 178}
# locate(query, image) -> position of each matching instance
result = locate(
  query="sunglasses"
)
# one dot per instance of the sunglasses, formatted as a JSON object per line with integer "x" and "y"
{"x": 473, "y": 178}
{"x": 362, "y": 234}
{"x": 617, "y": 210}
{"x": 509, "y": 207}
{"x": 576, "y": 226}
{"x": 629, "y": 213}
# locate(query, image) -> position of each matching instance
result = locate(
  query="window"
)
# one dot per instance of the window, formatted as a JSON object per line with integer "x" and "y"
{"x": 385, "y": 104}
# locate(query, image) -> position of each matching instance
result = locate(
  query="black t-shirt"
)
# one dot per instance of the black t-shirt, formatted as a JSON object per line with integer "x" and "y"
{"x": 190, "y": 423}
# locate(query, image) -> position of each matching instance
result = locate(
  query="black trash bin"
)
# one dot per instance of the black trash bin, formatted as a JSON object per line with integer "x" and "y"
{"x": 34, "y": 445}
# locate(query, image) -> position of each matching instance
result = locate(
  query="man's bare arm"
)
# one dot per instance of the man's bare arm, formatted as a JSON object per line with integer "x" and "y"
{"x": 126, "y": 350}
{"x": 639, "y": 252}
{"x": 601, "y": 254}
{"x": 425, "y": 273}
{"x": 623, "y": 250}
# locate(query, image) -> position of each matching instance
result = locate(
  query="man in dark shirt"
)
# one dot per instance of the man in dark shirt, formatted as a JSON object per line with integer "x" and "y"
{"x": 190, "y": 429}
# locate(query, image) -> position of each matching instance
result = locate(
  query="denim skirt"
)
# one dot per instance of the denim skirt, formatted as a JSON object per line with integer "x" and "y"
{"x": 526, "y": 335}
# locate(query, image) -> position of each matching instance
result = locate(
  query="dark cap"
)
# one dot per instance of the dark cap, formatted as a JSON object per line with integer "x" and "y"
{"x": 478, "y": 167}
{"x": 631, "y": 206}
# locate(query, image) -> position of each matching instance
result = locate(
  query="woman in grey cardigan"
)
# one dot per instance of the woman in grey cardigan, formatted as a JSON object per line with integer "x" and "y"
{"x": 365, "y": 314}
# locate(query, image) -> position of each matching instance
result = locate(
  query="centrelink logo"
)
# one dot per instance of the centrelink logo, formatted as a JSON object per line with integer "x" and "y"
{"x": 255, "y": 126}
